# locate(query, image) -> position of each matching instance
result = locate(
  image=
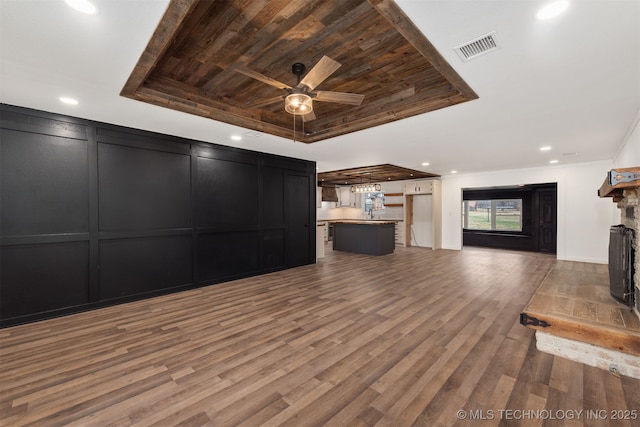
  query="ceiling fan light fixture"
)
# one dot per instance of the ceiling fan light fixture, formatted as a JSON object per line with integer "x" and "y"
{"x": 298, "y": 104}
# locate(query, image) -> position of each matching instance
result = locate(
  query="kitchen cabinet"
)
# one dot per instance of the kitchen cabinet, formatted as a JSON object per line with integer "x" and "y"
{"x": 364, "y": 237}
{"x": 344, "y": 197}
{"x": 356, "y": 200}
{"x": 347, "y": 199}
{"x": 321, "y": 237}
{"x": 419, "y": 187}
{"x": 400, "y": 236}
{"x": 417, "y": 217}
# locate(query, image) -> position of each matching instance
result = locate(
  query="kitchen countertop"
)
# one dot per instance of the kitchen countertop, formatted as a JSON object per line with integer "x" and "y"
{"x": 361, "y": 221}
{"x": 366, "y": 221}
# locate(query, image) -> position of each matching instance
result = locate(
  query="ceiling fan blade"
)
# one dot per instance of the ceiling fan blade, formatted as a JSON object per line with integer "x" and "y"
{"x": 261, "y": 77}
{"x": 308, "y": 117}
{"x": 339, "y": 97}
{"x": 323, "y": 69}
{"x": 266, "y": 102}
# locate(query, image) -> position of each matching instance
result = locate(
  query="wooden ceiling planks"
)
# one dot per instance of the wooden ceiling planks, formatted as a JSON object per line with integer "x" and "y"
{"x": 192, "y": 60}
{"x": 366, "y": 174}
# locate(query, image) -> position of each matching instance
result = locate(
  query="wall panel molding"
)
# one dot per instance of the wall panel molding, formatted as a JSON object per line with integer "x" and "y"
{"x": 95, "y": 214}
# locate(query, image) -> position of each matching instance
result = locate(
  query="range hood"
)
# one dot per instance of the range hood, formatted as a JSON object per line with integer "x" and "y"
{"x": 329, "y": 194}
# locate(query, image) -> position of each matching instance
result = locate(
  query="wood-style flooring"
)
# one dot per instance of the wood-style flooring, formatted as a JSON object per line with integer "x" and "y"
{"x": 416, "y": 338}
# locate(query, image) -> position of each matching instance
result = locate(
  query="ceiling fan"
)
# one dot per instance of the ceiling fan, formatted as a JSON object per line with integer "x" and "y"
{"x": 299, "y": 98}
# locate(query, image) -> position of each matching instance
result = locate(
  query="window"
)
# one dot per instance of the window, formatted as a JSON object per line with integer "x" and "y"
{"x": 493, "y": 215}
{"x": 372, "y": 202}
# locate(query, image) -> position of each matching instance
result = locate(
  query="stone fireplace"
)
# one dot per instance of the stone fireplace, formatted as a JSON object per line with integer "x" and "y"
{"x": 612, "y": 341}
{"x": 630, "y": 217}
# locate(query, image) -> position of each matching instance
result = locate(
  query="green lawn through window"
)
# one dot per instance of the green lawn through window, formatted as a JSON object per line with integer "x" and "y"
{"x": 481, "y": 220}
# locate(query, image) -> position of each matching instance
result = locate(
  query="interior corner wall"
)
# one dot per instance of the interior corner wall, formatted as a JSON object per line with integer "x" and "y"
{"x": 583, "y": 218}
{"x": 629, "y": 154}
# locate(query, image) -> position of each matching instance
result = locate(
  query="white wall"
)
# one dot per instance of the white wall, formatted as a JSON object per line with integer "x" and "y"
{"x": 629, "y": 154}
{"x": 329, "y": 211}
{"x": 583, "y": 217}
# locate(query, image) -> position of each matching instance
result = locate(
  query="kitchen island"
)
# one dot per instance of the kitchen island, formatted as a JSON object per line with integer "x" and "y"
{"x": 364, "y": 237}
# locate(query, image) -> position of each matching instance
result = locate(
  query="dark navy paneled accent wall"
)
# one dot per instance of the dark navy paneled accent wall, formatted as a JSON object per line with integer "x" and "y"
{"x": 93, "y": 214}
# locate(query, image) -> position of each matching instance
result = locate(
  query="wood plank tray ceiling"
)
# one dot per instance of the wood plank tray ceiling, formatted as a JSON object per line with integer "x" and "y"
{"x": 366, "y": 174}
{"x": 191, "y": 63}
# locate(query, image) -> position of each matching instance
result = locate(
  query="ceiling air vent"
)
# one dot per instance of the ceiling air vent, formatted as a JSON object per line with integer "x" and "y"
{"x": 478, "y": 46}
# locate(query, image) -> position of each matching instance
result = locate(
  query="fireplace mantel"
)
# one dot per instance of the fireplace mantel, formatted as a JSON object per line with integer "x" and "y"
{"x": 618, "y": 180}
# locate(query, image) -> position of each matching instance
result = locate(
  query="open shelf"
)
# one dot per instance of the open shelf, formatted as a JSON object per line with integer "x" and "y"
{"x": 391, "y": 205}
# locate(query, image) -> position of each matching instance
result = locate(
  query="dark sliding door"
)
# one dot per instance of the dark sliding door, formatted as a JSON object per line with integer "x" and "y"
{"x": 299, "y": 226}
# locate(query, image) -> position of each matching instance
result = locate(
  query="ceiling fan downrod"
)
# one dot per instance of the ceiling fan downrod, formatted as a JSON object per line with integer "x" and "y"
{"x": 298, "y": 69}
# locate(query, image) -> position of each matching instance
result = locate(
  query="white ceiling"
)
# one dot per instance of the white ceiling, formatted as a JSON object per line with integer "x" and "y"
{"x": 572, "y": 83}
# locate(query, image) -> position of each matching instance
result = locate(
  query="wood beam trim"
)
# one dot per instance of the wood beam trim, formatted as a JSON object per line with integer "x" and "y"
{"x": 170, "y": 24}
{"x": 347, "y": 125}
{"x": 401, "y": 22}
{"x": 162, "y": 99}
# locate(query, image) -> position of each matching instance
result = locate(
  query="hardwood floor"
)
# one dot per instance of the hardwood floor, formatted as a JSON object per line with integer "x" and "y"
{"x": 420, "y": 337}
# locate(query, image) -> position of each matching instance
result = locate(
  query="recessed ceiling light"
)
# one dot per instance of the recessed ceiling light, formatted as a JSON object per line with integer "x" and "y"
{"x": 547, "y": 148}
{"x": 425, "y": 164}
{"x": 553, "y": 161}
{"x": 454, "y": 171}
{"x": 67, "y": 100}
{"x": 552, "y": 10}
{"x": 83, "y": 6}
{"x": 236, "y": 137}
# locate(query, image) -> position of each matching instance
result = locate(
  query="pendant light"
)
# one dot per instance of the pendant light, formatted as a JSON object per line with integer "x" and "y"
{"x": 365, "y": 188}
